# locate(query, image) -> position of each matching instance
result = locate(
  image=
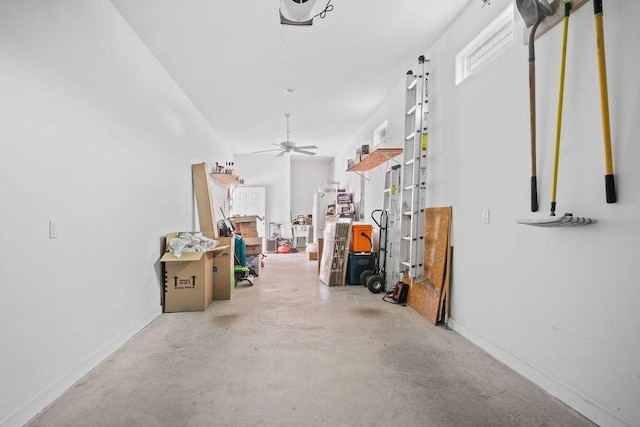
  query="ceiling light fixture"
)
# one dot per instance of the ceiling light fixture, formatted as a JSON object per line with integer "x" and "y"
{"x": 289, "y": 91}
{"x": 300, "y": 12}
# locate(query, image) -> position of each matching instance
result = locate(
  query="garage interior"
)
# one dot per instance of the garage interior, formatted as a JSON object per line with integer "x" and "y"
{"x": 106, "y": 105}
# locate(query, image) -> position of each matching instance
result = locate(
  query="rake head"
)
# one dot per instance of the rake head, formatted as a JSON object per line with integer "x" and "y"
{"x": 567, "y": 220}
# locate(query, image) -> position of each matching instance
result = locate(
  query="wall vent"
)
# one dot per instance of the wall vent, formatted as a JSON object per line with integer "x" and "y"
{"x": 381, "y": 133}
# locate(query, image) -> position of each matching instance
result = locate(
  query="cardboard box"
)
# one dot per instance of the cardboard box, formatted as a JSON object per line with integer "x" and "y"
{"x": 188, "y": 279}
{"x": 247, "y": 226}
{"x": 247, "y": 218}
{"x": 223, "y": 272}
{"x": 253, "y": 245}
{"x": 252, "y": 241}
{"x": 313, "y": 256}
{"x": 204, "y": 199}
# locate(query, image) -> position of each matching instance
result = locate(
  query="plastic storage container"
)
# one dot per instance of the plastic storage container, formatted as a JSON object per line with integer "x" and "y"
{"x": 361, "y": 237}
{"x": 359, "y": 262}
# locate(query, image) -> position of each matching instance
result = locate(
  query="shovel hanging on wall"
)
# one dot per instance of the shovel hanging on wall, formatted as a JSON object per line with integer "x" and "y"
{"x": 533, "y": 12}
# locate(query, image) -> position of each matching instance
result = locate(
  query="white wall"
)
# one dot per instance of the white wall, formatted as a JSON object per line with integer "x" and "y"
{"x": 307, "y": 175}
{"x": 290, "y": 181}
{"x": 558, "y": 305}
{"x": 373, "y": 180}
{"x": 96, "y": 135}
{"x": 273, "y": 173}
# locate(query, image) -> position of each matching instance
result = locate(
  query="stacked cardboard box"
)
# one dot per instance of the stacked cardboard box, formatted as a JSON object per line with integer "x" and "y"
{"x": 194, "y": 279}
{"x": 247, "y": 226}
{"x": 254, "y": 245}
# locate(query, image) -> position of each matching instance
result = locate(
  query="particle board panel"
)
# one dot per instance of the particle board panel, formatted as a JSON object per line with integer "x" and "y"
{"x": 437, "y": 226}
{"x": 552, "y": 20}
{"x": 425, "y": 297}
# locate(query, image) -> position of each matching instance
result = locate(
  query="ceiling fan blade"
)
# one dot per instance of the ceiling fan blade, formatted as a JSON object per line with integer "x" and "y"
{"x": 281, "y": 153}
{"x": 306, "y": 146}
{"x": 308, "y": 153}
{"x": 277, "y": 145}
{"x": 266, "y": 151}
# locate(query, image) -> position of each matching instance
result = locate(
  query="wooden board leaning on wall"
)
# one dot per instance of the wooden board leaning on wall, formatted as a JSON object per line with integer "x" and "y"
{"x": 428, "y": 296}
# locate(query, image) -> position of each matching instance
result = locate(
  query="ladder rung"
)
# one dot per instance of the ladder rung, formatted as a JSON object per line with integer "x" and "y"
{"x": 408, "y": 187}
{"x": 411, "y": 136}
{"x": 408, "y": 162}
{"x": 408, "y": 238}
{"x": 412, "y": 84}
{"x": 412, "y": 110}
{"x": 407, "y": 213}
{"x": 406, "y": 264}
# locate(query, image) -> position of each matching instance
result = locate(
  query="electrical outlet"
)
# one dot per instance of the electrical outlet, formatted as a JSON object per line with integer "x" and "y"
{"x": 53, "y": 229}
{"x": 486, "y": 215}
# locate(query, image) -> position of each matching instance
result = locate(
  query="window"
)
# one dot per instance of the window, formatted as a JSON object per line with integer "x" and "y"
{"x": 497, "y": 35}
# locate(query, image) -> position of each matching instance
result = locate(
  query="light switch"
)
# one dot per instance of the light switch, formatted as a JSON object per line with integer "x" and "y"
{"x": 53, "y": 229}
{"x": 486, "y": 216}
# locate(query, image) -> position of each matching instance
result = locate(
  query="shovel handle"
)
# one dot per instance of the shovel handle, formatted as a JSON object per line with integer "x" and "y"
{"x": 532, "y": 122}
{"x": 534, "y": 194}
{"x": 532, "y": 115}
{"x": 604, "y": 101}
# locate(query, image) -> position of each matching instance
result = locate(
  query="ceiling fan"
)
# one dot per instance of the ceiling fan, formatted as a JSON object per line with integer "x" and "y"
{"x": 290, "y": 146}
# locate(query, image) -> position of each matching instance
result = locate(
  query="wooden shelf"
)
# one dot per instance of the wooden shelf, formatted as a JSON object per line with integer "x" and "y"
{"x": 375, "y": 159}
{"x": 225, "y": 178}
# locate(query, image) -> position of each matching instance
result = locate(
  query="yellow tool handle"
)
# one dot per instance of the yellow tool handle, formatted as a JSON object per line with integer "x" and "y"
{"x": 604, "y": 100}
{"x": 563, "y": 65}
{"x": 604, "y": 94}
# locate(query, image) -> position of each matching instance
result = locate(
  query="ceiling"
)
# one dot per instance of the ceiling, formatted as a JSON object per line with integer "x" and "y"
{"x": 234, "y": 59}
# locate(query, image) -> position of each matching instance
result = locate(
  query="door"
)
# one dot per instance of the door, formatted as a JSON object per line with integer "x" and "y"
{"x": 249, "y": 201}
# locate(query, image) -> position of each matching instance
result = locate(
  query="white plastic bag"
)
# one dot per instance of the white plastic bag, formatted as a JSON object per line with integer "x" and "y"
{"x": 188, "y": 242}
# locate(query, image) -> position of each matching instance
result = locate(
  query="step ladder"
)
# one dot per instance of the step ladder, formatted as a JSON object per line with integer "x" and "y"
{"x": 391, "y": 204}
{"x": 414, "y": 173}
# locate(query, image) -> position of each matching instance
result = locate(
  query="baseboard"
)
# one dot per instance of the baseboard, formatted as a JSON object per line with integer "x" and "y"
{"x": 43, "y": 399}
{"x": 563, "y": 392}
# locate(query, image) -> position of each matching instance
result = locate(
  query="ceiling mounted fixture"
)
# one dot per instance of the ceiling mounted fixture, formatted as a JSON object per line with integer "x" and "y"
{"x": 290, "y": 146}
{"x": 301, "y": 12}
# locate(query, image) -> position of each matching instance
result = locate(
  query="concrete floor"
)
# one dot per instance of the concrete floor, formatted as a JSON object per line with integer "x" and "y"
{"x": 290, "y": 351}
